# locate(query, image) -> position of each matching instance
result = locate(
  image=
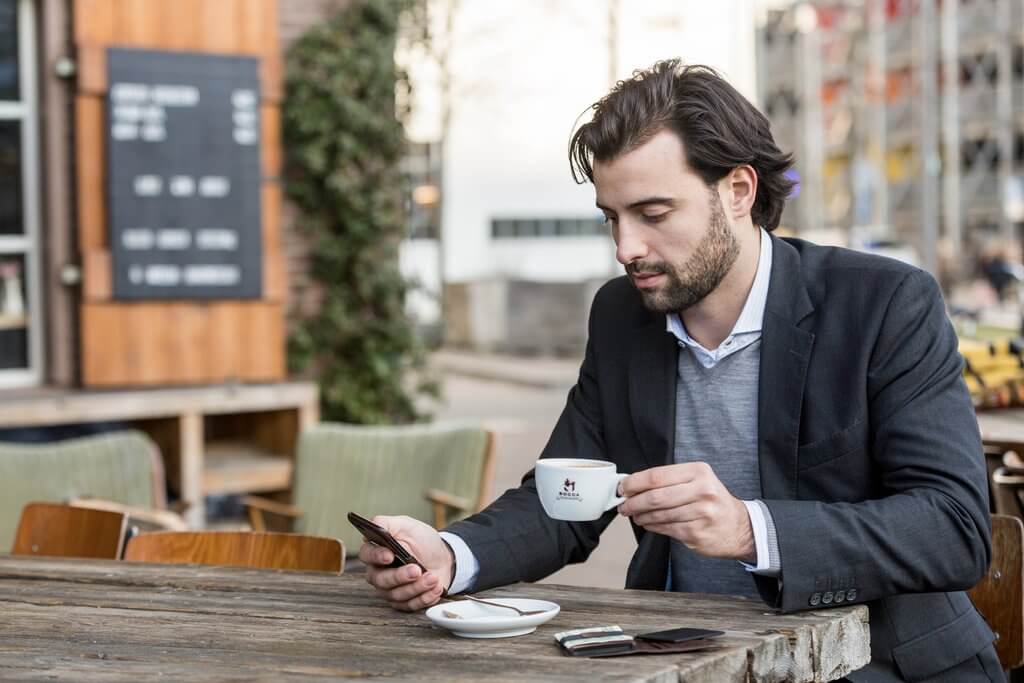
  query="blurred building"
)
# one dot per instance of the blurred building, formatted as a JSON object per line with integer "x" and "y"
{"x": 907, "y": 120}
{"x": 523, "y": 246}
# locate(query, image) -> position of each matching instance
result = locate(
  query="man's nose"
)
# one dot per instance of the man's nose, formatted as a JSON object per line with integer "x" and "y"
{"x": 629, "y": 246}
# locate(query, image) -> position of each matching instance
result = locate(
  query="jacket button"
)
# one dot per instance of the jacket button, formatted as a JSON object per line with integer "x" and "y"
{"x": 826, "y": 599}
{"x": 840, "y": 596}
{"x": 851, "y": 594}
{"x": 815, "y": 600}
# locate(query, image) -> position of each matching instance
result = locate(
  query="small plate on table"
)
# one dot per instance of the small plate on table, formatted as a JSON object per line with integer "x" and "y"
{"x": 469, "y": 619}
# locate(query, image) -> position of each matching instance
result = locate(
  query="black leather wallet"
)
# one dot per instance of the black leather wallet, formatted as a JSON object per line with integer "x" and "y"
{"x": 611, "y": 641}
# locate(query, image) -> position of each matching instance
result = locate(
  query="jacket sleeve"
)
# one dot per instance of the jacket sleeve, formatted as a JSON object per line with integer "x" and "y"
{"x": 927, "y": 525}
{"x": 513, "y": 538}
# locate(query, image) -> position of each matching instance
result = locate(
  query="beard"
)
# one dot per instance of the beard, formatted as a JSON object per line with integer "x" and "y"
{"x": 688, "y": 284}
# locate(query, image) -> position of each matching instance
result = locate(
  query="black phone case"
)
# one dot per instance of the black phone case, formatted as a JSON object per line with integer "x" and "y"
{"x": 379, "y": 535}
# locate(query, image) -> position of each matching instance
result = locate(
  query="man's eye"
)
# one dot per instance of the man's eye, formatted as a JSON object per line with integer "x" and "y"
{"x": 609, "y": 220}
{"x": 655, "y": 218}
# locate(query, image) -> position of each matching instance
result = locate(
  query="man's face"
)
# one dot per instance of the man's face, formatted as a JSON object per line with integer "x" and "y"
{"x": 670, "y": 229}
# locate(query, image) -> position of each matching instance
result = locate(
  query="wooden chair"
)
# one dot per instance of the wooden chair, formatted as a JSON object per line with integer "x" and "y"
{"x": 65, "y": 531}
{"x": 120, "y": 468}
{"x": 1008, "y": 492}
{"x": 994, "y": 454}
{"x": 436, "y": 473}
{"x": 239, "y": 549}
{"x": 1000, "y": 595}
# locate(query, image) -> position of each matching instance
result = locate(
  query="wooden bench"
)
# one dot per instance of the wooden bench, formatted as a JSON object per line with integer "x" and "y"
{"x": 214, "y": 439}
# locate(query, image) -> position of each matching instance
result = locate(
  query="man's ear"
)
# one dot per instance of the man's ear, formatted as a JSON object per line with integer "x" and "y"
{"x": 741, "y": 184}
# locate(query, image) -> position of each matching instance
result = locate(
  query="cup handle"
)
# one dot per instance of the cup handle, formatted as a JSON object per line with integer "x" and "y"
{"x": 617, "y": 500}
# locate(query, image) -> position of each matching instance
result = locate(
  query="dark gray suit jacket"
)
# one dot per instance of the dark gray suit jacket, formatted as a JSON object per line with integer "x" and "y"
{"x": 869, "y": 452}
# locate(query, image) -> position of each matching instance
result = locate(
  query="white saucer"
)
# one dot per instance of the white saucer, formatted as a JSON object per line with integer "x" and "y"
{"x": 475, "y": 620}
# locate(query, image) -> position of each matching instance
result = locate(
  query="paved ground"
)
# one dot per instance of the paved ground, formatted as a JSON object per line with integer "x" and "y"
{"x": 520, "y": 399}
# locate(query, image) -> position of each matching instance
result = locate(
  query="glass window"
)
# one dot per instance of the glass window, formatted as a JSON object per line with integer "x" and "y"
{"x": 9, "y": 81}
{"x": 593, "y": 226}
{"x": 526, "y": 228}
{"x": 503, "y": 228}
{"x": 20, "y": 332}
{"x": 11, "y": 222}
{"x": 14, "y": 352}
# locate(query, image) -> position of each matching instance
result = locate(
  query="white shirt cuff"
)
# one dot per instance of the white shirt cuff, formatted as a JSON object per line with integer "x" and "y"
{"x": 761, "y": 542}
{"x": 466, "y": 565}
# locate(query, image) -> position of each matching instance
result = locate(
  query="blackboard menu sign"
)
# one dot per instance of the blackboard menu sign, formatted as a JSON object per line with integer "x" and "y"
{"x": 183, "y": 176}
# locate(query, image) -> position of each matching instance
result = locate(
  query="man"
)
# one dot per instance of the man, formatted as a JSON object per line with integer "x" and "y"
{"x": 792, "y": 417}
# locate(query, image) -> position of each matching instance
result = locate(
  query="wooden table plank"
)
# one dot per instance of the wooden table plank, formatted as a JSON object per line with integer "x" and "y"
{"x": 107, "y": 621}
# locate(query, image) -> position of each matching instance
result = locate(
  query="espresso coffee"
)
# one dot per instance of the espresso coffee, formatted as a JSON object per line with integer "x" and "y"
{"x": 577, "y": 490}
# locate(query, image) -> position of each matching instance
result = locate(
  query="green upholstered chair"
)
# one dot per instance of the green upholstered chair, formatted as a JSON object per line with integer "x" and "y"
{"x": 436, "y": 473}
{"x": 123, "y": 468}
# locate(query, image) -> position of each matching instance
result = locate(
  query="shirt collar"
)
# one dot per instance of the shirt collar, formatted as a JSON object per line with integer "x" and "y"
{"x": 752, "y": 316}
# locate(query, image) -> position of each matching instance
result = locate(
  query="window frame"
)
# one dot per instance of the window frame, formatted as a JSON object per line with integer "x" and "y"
{"x": 25, "y": 111}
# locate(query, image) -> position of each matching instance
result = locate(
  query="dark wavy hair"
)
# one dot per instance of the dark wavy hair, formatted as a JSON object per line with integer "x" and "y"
{"x": 719, "y": 128}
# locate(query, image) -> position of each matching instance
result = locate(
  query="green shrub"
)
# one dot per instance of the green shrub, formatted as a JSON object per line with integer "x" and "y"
{"x": 343, "y": 139}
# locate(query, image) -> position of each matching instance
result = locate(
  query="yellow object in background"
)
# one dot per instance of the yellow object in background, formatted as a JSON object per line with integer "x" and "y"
{"x": 993, "y": 371}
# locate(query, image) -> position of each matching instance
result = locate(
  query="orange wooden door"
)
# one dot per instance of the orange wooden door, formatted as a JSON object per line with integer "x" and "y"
{"x": 174, "y": 342}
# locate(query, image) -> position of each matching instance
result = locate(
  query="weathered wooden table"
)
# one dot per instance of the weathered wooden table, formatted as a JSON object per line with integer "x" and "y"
{"x": 115, "y": 621}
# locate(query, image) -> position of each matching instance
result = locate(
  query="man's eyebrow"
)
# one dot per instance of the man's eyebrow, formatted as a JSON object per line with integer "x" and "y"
{"x": 646, "y": 201}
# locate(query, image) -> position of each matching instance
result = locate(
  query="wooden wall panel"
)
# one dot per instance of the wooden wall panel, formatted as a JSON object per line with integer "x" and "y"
{"x": 270, "y": 207}
{"x": 275, "y": 285}
{"x": 137, "y": 22}
{"x": 270, "y": 142}
{"x": 252, "y": 29}
{"x": 180, "y": 25}
{"x": 176, "y": 342}
{"x": 90, "y": 169}
{"x": 92, "y": 70}
{"x": 182, "y": 342}
{"x": 219, "y": 28}
{"x": 94, "y": 21}
{"x": 97, "y": 275}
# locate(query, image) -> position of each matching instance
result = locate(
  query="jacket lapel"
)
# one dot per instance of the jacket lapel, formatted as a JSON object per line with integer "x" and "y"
{"x": 785, "y": 354}
{"x": 652, "y": 391}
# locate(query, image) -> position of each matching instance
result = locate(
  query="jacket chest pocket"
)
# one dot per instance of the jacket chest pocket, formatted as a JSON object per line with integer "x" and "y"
{"x": 852, "y": 439}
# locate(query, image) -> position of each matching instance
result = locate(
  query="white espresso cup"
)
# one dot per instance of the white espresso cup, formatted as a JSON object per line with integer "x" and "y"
{"x": 577, "y": 490}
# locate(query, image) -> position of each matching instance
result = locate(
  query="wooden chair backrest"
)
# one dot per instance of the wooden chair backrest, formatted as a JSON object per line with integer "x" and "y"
{"x": 65, "y": 531}
{"x": 239, "y": 549}
{"x": 993, "y": 461}
{"x": 1006, "y": 487}
{"x": 1000, "y": 595}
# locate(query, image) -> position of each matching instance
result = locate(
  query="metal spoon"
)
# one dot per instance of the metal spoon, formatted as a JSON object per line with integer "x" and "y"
{"x": 520, "y": 612}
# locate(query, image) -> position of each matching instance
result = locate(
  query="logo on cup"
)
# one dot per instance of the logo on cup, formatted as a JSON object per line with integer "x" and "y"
{"x": 568, "y": 491}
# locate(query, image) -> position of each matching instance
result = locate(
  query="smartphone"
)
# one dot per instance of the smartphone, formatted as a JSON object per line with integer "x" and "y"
{"x": 379, "y": 535}
{"x": 678, "y": 635}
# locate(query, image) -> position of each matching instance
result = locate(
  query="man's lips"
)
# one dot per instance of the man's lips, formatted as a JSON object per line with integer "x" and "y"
{"x": 646, "y": 280}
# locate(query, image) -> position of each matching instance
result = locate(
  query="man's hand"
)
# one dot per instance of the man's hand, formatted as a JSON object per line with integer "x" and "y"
{"x": 688, "y": 503}
{"x": 407, "y": 588}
